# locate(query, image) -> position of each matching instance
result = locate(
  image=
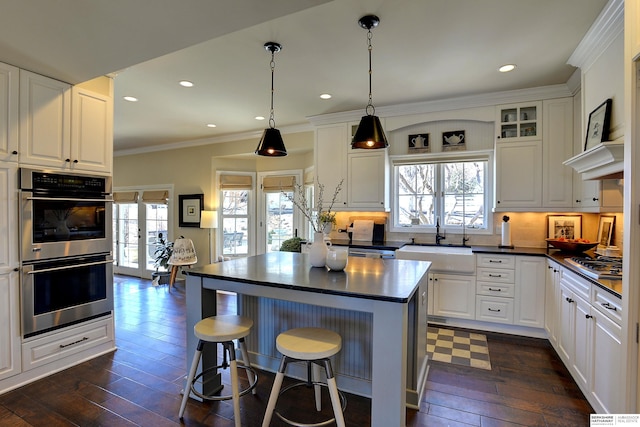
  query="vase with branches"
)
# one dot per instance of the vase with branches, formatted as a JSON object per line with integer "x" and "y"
{"x": 317, "y": 215}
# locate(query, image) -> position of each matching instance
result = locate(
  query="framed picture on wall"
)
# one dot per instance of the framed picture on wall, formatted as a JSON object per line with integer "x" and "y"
{"x": 598, "y": 127}
{"x": 419, "y": 143}
{"x": 566, "y": 226}
{"x": 605, "y": 230}
{"x": 191, "y": 206}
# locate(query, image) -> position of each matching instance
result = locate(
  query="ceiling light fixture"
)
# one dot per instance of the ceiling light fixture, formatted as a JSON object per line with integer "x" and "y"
{"x": 211, "y": 125}
{"x": 130, "y": 98}
{"x": 325, "y": 96}
{"x": 186, "y": 83}
{"x": 506, "y": 68}
{"x": 369, "y": 133}
{"x": 271, "y": 143}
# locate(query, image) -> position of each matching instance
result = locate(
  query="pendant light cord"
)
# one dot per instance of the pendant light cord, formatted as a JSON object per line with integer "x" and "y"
{"x": 370, "y": 104}
{"x": 272, "y": 120}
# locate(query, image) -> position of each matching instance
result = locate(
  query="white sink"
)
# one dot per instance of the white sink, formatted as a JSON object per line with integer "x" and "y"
{"x": 443, "y": 258}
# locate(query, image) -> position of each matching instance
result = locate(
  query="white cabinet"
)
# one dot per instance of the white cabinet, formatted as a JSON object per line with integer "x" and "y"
{"x": 529, "y": 174}
{"x": 495, "y": 288}
{"x": 9, "y": 325}
{"x": 552, "y": 300}
{"x": 9, "y": 89}
{"x": 557, "y": 146}
{"x": 518, "y": 172}
{"x": 330, "y": 157}
{"x": 589, "y": 341}
{"x": 63, "y": 127}
{"x": 453, "y": 295}
{"x": 517, "y": 122}
{"x": 368, "y": 183}
{"x": 530, "y": 291}
{"x": 9, "y": 283}
{"x": 365, "y": 172}
{"x": 604, "y": 195}
{"x": 45, "y": 121}
{"x": 91, "y": 131}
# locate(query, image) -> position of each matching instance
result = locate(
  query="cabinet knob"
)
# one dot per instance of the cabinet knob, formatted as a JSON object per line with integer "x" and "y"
{"x": 498, "y": 201}
{"x": 75, "y": 161}
{"x": 588, "y": 316}
{"x": 67, "y": 160}
{"x": 14, "y": 152}
{"x": 595, "y": 199}
{"x": 578, "y": 201}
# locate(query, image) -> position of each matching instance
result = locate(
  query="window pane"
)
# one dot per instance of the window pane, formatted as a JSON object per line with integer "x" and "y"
{"x": 464, "y": 194}
{"x": 279, "y": 219}
{"x": 235, "y": 202}
{"x": 416, "y": 194}
{"x": 157, "y": 222}
{"x": 235, "y": 236}
{"x": 128, "y": 235}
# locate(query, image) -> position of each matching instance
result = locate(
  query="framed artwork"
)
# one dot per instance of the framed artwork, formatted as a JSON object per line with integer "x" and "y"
{"x": 598, "y": 127}
{"x": 191, "y": 206}
{"x": 419, "y": 143}
{"x": 567, "y": 226}
{"x": 453, "y": 141}
{"x": 605, "y": 230}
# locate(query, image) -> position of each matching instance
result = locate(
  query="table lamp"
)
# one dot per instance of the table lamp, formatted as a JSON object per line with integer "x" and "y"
{"x": 209, "y": 219}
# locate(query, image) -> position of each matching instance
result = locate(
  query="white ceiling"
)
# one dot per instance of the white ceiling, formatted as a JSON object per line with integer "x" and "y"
{"x": 422, "y": 50}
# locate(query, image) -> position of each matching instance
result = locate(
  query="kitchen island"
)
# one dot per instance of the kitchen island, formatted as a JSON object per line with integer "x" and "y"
{"x": 387, "y": 299}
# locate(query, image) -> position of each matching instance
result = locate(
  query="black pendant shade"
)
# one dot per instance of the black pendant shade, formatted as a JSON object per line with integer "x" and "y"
{"x": 271, "y": 144}
{"x": 369, "y": 134}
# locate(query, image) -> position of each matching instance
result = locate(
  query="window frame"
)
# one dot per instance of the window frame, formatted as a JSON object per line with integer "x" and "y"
{"x": 448, "y": 157}
{"x": 250, "y": 216}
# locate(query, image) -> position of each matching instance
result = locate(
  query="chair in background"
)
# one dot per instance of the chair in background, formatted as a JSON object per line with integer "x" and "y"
{"x": 184, "y": 254}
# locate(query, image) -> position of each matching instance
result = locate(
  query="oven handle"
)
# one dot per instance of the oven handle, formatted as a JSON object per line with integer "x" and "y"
{"x": 66, "y": 267}
{"x": 57, "y": 199}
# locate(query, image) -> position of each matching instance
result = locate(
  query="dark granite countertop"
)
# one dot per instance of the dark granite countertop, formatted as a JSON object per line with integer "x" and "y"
{"x": 360, "y": 244}
{"x": 378, "y": 279}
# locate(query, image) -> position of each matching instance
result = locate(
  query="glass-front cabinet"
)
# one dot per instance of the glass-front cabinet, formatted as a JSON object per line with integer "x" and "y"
{"x": 518, "y": 122}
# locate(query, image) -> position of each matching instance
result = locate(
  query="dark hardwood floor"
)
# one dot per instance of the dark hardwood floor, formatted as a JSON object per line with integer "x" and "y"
{"x": 140, "y": 383}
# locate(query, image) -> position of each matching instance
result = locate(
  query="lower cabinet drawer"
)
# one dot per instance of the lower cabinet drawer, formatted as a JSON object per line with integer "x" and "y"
{"x": 494, "y": 309}
{"x": 49, "y": 348}
{"x": 495, "y": 275}
{"x": 606, "y": 303}
{"x": 504, "y": 290}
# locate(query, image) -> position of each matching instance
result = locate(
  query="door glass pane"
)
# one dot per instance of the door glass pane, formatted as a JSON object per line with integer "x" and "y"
{"x": 416, "y": 194}
{"x": 235, "y": 222}
{"x": 127, "y": 242}
{"x": 157, "y": 222}
{"x": 279, "y": 219}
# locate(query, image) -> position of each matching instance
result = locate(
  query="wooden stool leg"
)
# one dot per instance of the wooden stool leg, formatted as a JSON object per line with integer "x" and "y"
{"x": 172, "y": 277}
{"x": 235, "y": 393}
{"x": 192, "y": 374}
{"x": 275, "y": 392}
{"x": 247, "y": 362}
{"x": 317, "y": 389}
{"x": 335, "y": 397}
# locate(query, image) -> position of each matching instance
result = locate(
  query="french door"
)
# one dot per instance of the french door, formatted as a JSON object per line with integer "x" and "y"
{"x": 137, "y": 225}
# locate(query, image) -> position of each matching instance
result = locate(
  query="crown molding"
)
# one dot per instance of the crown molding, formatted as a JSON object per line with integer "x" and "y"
{"x": 603, "y": 31}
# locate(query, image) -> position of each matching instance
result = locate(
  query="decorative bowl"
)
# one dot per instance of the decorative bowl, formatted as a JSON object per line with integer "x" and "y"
{"x": 571, "y": 245}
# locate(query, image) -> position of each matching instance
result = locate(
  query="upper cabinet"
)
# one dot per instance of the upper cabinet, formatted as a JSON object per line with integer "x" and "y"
{"x": 365, "y": 172}
{"x": 518, "y": 122}
{"x": 63, "y": 127}
{"x": 9, "y": 82}
{"x": 533, "y": 141}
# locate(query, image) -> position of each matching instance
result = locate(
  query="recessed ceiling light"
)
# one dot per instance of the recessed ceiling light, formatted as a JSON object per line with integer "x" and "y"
{"x": 186, "y": 83}
{"x": 325, "y": 96}
{"x": 506, "y": 68}
{"x": 131, "y": 98}
{"x": 259, "y": 118}
{"x": 211, "y": 125}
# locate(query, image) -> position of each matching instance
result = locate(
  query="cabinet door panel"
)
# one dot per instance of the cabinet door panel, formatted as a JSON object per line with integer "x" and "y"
{"x": 454, "y": 296}
{"x": 606, "y": 369}
{"x": 9, "y": 325}
{"x": 530, "y": 287}
{"x": 518, "y": 174}
{"x": 92, "y": 132}
{"x": 366, "y": 181}
{"x": 8, "y": 112}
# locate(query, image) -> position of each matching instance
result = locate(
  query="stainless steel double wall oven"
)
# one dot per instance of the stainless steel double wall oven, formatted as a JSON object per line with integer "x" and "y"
{"x": 66, "y": 243}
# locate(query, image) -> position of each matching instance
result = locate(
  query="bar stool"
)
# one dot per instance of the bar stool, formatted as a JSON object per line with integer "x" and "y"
{"x": 313, "y": 346}
{"x": 222, "y": 329}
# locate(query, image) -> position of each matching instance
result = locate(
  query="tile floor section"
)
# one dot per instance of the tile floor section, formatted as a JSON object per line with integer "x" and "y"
{"x": 458, "y": 347}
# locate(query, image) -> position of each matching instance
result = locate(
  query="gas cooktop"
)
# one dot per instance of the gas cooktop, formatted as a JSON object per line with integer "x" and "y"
{"x": 601, "y": 267}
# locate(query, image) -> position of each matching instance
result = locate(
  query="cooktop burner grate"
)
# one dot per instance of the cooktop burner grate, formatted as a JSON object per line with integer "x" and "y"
{"x": 601, "y": 267}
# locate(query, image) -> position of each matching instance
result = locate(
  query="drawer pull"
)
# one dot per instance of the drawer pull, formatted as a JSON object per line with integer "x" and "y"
{"x": 495, "y": 290}
{"x": 499, "y": 261}
{"x": 491, "y": 309}
{"x": 609, "y": 306}
{"x": 588, "y": 316}
{"x": 74, "y": 343}
{"x": 495, "y": 275}
{"x": 568, "y": 299}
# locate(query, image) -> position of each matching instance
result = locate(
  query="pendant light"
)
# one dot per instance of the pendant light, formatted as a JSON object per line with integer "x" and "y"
{"x": 369, "y": 133}
{"x": 271, "y": 143}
